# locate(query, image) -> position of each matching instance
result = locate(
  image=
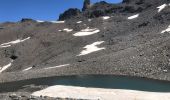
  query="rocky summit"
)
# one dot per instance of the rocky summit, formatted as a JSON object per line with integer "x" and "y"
{"x": 131, "y": 38}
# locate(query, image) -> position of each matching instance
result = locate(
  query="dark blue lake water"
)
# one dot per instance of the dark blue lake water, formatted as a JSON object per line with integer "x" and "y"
{"x": 114, "y": 82}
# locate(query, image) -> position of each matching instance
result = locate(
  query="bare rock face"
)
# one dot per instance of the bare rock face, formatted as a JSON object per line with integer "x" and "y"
{"x": 86, "y": 5}
{"x": 69, "y": 13}
{"x": 99, "y": 9}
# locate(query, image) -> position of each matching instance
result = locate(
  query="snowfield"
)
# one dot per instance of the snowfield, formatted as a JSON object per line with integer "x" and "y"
{"x": 99, "y": 94}
{"x": 91, "y": 48}
{"x": 86, "y": 32}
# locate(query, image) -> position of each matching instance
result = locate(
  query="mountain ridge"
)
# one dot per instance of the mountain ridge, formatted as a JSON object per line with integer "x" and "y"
{"x": 103, "y": 8}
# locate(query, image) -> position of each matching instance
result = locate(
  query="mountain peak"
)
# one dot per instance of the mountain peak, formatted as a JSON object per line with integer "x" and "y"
{"x": 69, "y": 13}
{"x": 86, "y": 5}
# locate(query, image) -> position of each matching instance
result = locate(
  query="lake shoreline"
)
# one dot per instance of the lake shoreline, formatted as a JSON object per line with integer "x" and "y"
{"x": 71, "y": 71}
{"x": 34, "y": 74}
{"x": 103, "y": 81}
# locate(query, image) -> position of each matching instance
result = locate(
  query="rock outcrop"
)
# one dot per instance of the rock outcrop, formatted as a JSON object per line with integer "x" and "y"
{"x": 100, "y": 9}
{"x": 103, "y": 8}
{"x": 69, "y": 14}
{"x": 27, "y": 20}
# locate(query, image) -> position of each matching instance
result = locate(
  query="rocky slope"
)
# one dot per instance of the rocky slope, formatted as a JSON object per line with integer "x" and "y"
{"x": 131, "y": 38}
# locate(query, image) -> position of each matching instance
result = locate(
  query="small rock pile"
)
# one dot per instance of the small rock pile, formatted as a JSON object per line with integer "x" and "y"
{"x": 29, "y": 97}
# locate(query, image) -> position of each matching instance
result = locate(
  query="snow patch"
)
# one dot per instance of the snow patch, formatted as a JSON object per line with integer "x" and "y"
{"x": 67, "y": 30}
{"x": 5, "y": 67}
{"x": 5, "y": 46}
{"x": 40, "y": 21}
{"x": 57, "y": 66}
{"x": 160, "y": 8}
{"x": 165, "y": 70}
{"x": 87, "y": 31}
{"x": 166, "y": 30}
{"x": 79, "y": 22}
{"x": 57, "y": 22}
{"x": 89, "y": 20}
{"x": 27, "y": 69}
{"x": 106, "y": 17}
{"x": 91, "y": 48}
{"x": 8, "y": 44}
{"x": 99, "y": 93}
{"x": 134, "y": 16}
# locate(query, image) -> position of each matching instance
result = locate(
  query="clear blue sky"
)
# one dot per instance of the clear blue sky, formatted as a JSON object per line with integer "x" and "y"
{"x": 15, "y": 10}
